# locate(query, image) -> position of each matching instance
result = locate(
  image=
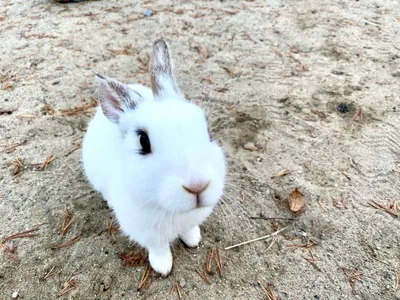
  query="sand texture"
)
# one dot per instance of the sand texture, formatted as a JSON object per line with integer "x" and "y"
{"x": 271, "y": 76}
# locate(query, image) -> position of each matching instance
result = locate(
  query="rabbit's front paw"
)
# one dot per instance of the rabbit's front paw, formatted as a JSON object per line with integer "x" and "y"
{"x": 192, "y": 237}
{"x": 161, "y": 260}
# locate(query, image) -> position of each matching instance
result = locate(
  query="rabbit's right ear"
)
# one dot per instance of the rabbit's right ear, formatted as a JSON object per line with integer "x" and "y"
{"x": 115, "y": 98}
{"x": 163, "y": 82}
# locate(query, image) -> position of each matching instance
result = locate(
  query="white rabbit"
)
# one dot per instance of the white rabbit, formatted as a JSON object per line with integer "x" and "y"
{"x": 150, "y": 155}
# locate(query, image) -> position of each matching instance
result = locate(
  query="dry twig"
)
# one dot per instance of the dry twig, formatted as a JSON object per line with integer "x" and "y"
{"x": 218, "y": 260}
{"x": 50, "y": 273}
{"x": 24, "y": 234}
{"x": 78, "y": 146}
{"x": 358, "y": 114}
{"x": 257, "y": 239}
{"x": 391, "y": 208}
{"x": 352, "y": 276}
{"x": 68, "y": 243}
{"x": 12, "y": 147}
{"x": 19, "y": 166}
{"x": 203, "y": 275}
{"x": 134, "y": 259}
{"x": 67, "y": 222}
{"x": 68, "y": 286}
{"x": 209, "y": 260}
{"x": 178, "y": 290}
{"x": 344, "y": 172}
{"x": 282, "y": 173}
{"x": 268, "y": 293}
{"x": 112, "y": 226}
{"x": 272, "y": 218}
{"x": 145, "y": 277}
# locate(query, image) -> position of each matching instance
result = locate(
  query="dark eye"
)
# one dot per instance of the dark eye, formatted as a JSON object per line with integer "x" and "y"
{"x": 144, "y": 142}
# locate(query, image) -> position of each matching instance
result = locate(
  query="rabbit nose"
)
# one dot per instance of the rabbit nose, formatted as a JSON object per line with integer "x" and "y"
{"x": 197, "y": 187}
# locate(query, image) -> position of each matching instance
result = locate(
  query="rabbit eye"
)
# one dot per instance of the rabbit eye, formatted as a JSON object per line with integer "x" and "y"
{"x": 144, "y": 142}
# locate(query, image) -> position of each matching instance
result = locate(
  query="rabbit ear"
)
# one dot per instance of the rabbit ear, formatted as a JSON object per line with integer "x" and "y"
{"x": 162, "y": 79}
{"x": 115, "y": 98}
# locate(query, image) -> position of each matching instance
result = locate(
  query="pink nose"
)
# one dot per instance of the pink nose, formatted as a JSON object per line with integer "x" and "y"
{"x": 196, "y": 187}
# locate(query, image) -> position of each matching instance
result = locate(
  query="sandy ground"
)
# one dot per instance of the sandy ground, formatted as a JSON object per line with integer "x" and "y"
{"x": 271, "y": 73}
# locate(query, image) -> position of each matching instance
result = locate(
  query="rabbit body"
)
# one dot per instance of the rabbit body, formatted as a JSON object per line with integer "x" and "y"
{"x": 148, "y": 152}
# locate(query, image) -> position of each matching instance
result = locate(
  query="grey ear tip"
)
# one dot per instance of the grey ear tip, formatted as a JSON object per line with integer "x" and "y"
{"x": 100, "y": 76}
{"x": 160, "y": 43}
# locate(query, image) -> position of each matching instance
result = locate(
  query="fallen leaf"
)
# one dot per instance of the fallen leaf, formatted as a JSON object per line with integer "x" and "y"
{"x": 2, "y": 18}
{"x": 296, "y": 200}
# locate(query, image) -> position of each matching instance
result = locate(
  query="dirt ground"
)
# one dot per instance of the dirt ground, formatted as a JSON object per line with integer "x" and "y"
{"x": 272, "y": 75}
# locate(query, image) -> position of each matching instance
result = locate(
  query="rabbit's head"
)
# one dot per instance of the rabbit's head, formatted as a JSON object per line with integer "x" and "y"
{"x": 168, "y": 158}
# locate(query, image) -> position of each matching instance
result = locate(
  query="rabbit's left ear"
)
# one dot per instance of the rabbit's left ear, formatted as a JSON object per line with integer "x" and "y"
{"x": 163, "y": 82}
{"x": 115, "y": 98}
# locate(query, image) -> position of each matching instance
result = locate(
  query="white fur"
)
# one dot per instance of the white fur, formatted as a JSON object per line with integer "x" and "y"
{"x": 146, "y": 192}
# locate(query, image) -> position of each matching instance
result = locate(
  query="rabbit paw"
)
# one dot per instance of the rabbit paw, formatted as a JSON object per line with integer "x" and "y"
{"x": 192, "y": 237}
{"x": 161, "y": 261}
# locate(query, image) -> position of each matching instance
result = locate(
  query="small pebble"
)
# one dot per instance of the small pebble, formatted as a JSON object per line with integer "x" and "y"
{"x": 182, "y": 282}
{"x": 15, "y": 295}
{"x": 250, "y": 146}
{"x": 148, "y": 13}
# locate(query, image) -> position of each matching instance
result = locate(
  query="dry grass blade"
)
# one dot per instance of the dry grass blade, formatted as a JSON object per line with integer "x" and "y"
{"x": 203, "y": 275}
{"x": 12, "y": 147}
{"x": 309, "y": 245}
{"x": 11, "y": 252}
{"x": 79, "y": 146}
{"x": 392, "y": 209}
{"x": 272, "y": 218}
{"x": 218, "y": 260}
{"x": 358, "y": 114}
{"x": 268, "y": 293}
{"x": 50, "y": 273}
{"x": 46, "y": 163}
{"x": 68, "y": 286}
{"x": 26, "y": 117}
{"x": 209, "y": 260}
{"x": 312, "y": 262}
{"x": 340, "y": 203}
{"x": 19, "y": 166}
{"x": 134, "y": 259}
{"x": 66, "y": 224}
{"x": 178, "y": 290}
{"x": 257, "y": 239}
{"x": 396, "y": 283}
{"x": 344, "y": 172}
{"x": 282, "y": 173}
{"x": 352, "y": 276}
{"x": 24, "y": 234}
{"x": 68, "y": 243}
{"x": 145, "y": 277}
{"x": 112, "y": 227}
{"x": 171, "y": 292}
{"x": 77, "y": 110}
